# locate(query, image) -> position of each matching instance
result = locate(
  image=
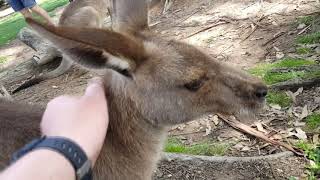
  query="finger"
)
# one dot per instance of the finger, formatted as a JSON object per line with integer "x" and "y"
{"x": 95, "y": 90}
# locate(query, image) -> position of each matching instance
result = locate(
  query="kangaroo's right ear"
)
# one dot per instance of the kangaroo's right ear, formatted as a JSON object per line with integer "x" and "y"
{"x": 94, "y": 48}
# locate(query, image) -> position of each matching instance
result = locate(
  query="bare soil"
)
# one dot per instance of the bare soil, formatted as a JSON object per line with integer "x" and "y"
{"x": 239, "y": 32}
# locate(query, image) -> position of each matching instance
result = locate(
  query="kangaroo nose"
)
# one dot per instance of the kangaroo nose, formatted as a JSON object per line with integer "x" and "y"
{"x": 261, "y": 92}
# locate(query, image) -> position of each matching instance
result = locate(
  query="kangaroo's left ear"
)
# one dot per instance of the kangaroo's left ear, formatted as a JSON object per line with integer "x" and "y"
{"x": 94, "y": 48}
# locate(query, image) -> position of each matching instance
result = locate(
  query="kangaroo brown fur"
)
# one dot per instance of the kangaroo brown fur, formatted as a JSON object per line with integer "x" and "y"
{"x": 80, "y": 13}
{"x": 151, "y": 83}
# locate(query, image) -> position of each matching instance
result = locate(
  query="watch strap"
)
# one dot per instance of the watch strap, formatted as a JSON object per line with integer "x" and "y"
{"x": 69, "y": 149}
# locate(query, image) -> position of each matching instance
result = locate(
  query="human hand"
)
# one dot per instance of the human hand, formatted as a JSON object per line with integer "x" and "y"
{"x": 83, "y": 120}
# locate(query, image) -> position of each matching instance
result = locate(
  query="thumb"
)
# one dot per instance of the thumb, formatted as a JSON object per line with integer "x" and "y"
{"x": 95, "y": 90}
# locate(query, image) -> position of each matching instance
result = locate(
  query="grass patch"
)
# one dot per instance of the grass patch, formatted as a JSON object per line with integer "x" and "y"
{"x": 312, "y": 152}
{"x": 313, "y": 121}
{"x": 3, "y": 59}
{"x": 273, "y": 78}
{"x": 263, "y": 70}
{"x": 280, "y": 98}
{"x": 12, "y": 24}
{"x": 174, "y": 145}
{"x": 304, "y": 50}
{"x": 307, "y": 20}
{"x": 309, "y": 38}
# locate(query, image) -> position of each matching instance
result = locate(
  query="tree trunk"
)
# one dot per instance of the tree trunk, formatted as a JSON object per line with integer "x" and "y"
{"x": 46, "y": 52}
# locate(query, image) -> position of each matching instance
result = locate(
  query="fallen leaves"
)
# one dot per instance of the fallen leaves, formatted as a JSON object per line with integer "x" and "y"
{"x": 304, "y": 112}
{"x": 299, "y": 133}
{"x": 247, "y": 129}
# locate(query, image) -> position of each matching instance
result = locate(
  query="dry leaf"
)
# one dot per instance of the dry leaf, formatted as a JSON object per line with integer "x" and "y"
{"x": 208, "y": 128}
{"x": 238, "y": 146}
{"x": 275, "y": 106}
{"x": 276, "y": 137}
{"x": 290, "y": 112}
{"x": 299, "y": 124}
{"x": 295, "y": 94}
{"x": 299, "y": 91}
{"x": 215, "y": 120}
{"x": 181, "y": 127}
{"x": 301, "y": 134}
{"x": 246, "y": 148}
{"x": 292, "y": 96}
{"x": 304, "y": 113}
{"x": 260, "y": 127}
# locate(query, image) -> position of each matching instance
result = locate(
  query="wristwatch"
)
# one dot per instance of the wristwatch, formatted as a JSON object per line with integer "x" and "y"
{"x": 66, "y": 147}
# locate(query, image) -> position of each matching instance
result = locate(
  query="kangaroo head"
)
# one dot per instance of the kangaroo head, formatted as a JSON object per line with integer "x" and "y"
{"x": 170, "y": 82}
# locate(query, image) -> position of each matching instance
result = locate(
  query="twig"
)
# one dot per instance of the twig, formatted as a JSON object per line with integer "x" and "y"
{"x": 247, "y": 129}
{"x": 253, "y": 30}
{"x": 205, "y": 29}
{"x": 279, "y": 34}
{"x": 255, "y": 25}
{"x": 296, "y": 84}
{"x": 304, "y": 29}
{"x": 6, "y": 94}
{"x": 184, "y": 19}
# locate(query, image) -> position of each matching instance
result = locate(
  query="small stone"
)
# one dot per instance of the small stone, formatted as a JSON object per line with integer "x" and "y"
{"x": 317, "y": 50}
{"x": 279, "y": 55}
{"x": 301, "y": 26}
{"x": 246, "y": 148}
{"x": 55, "y": 87}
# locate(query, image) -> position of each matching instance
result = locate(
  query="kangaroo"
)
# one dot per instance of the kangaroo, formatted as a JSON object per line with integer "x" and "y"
{"x": 151, "y": 84}
{"x": 80, "y": 13}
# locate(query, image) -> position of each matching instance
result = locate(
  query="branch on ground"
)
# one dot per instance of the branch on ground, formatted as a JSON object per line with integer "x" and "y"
{"x": 247, "y": 129}
{"x": 305, "y": 68}
{"x": 295, "y": 84}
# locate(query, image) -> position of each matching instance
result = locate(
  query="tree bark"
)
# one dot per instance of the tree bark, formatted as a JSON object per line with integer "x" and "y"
{"x": 46, "y": 52}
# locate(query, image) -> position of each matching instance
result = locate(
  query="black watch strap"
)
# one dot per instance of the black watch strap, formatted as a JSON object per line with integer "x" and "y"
{"x": 69, "y": 149}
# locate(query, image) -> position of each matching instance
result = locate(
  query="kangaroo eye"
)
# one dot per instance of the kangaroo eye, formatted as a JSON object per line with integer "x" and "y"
{"x": 194, "y": 85}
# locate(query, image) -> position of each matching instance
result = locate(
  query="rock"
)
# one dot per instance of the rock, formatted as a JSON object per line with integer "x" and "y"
{"x": 279, "y": 55}
{"x": 301, "y": 26}
{"x": 317, "y": 50}
{"x": 45, "y": 50}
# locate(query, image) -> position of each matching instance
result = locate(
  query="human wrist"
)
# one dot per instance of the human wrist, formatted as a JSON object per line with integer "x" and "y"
{"x": 33, "y": 164}
{"x": 84, "y": 146}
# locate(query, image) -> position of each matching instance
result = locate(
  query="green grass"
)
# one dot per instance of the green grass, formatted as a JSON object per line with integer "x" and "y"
{"x": 273, "y": 78}
{"x": 309, "y": 38}
{"x": 304, "y": 50}
{"x": 280, "y": 98}
{"x": 312, "y": 151}
{"x": 11, "y": 25}
{"x": 313, "y": 121}
{"x": 307, "y": 20}
{"x": 3, "y": 59}
{"x": 174, "y": 145}
{"x": 263, "y": 70}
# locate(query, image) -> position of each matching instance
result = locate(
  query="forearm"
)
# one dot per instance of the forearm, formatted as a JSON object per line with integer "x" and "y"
{"x": 40, "y": 164}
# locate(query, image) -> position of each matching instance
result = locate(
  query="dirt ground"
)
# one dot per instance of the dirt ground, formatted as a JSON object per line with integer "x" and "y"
{"x": 239, "y": 32}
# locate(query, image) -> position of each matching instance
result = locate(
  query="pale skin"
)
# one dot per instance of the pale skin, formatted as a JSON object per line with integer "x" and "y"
{"x": 38, "y": 10}
{"x": 69, "y": 117}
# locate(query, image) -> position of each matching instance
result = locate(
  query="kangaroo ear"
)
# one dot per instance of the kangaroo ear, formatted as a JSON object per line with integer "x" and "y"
{"x": 94, "y": 48}
{"x": 129, "y": 15}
